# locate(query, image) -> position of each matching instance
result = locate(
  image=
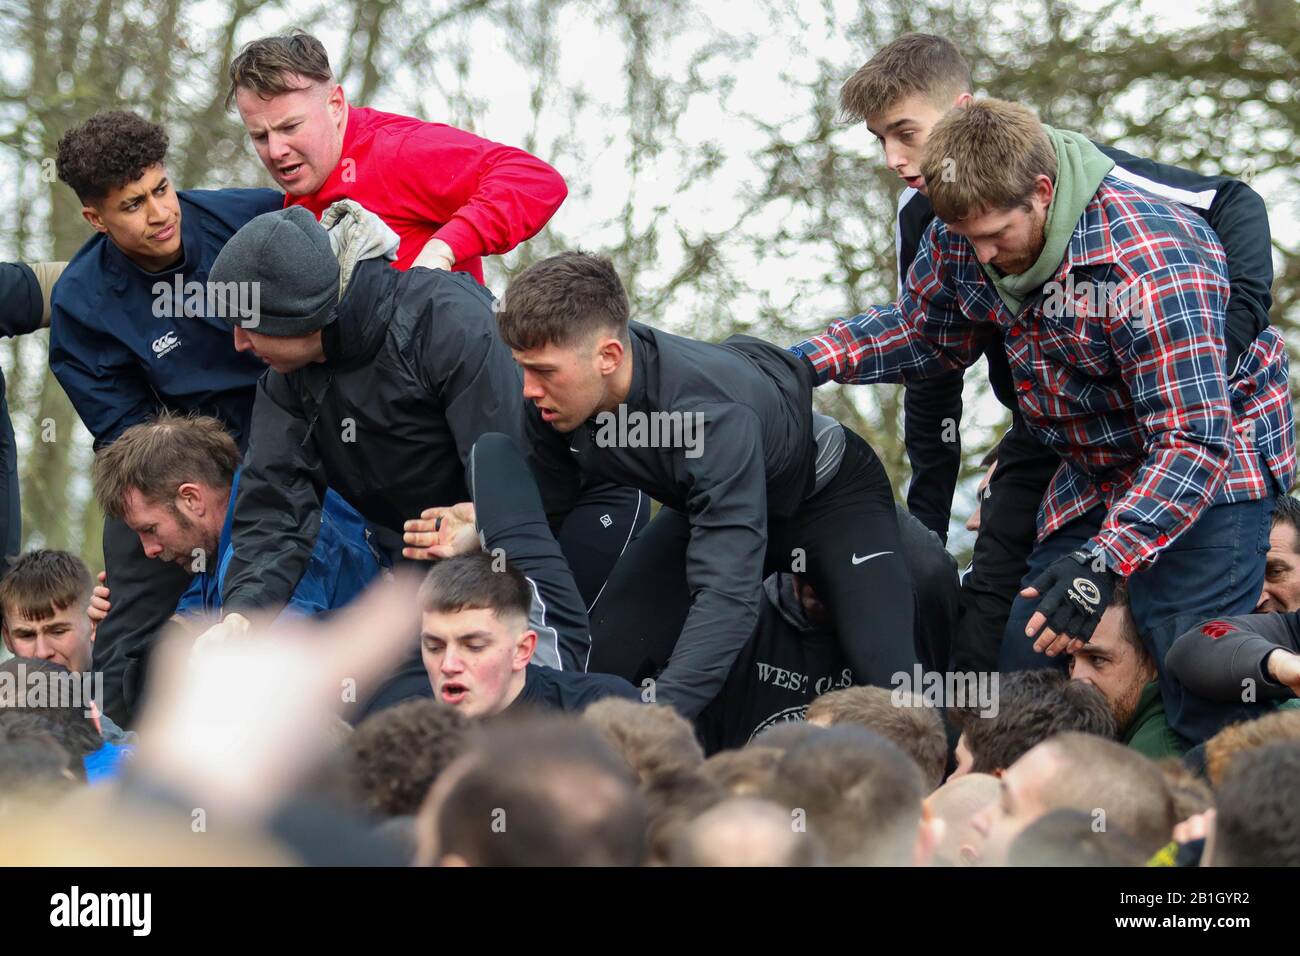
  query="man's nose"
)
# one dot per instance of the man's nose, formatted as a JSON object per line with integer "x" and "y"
{"x": 277, "y": 146}
{"x": 1263, "y": 599}
{"x": 44, "y": 649}
{"x": 157, "y": 212}
{"x": 152, "y": 550}
{"x": 242, "y": 342}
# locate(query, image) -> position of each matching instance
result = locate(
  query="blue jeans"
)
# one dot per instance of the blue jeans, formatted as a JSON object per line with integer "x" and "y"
{"x": 1216, "y": 569}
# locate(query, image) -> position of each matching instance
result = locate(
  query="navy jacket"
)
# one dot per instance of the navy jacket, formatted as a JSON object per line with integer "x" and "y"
{"x": 1231, "y": 208}
{"x": 124, "y": 351}
{"x": 342, "y": 564}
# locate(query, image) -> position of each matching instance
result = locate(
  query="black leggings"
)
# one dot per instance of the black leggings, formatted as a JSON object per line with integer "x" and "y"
{"x": 598, "y": 530}
{"x": 844, "y": 540}
{"x": 1008, "y": 529}
{"x": 511, "y": 518}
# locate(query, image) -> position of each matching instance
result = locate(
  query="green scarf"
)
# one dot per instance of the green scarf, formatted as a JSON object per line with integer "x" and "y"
{"x": 1080, "y": 168}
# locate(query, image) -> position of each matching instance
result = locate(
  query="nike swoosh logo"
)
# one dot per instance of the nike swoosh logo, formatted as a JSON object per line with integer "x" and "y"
{"x": 857, "y": 560}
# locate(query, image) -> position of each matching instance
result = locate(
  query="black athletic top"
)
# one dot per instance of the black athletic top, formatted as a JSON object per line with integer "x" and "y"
{"x": 551, "y": 689}
{"x": 750, "y": 453}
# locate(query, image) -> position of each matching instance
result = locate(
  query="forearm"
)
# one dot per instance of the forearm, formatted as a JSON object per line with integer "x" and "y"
{"x": 716, "y": 630}
{"x": 47, "y": 273}
{"x": 1169, "y": 494}
{"x": 1231, "y": 659}
{"x": 931, "y": 414}
{"x": 880, "y": 345}
{"x": 515, "y": 196}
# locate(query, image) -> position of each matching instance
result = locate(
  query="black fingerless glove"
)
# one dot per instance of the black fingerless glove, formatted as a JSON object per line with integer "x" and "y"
{"x": 1076, "y": 590}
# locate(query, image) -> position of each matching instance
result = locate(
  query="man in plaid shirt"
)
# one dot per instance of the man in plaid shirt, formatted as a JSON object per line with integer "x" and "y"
{"x": 1112, "y": 306}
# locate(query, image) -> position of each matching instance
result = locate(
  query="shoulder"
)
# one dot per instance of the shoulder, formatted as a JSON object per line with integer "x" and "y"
{"x": 436, "y": 309}
{"x": 231, "y": 207}
{"x": 599, "y": 686}
{"x": 575, "y": 690}
{"x": 78, "y": 289}
{"x": 397, "y": 129}
{"x": 914, "y": 209}
{"x": 1150, "y": 233}
{"x": 1126, "y": 204}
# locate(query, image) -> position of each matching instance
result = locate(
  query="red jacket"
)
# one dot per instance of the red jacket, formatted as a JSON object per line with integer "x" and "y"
{"x": 429, "y": 179}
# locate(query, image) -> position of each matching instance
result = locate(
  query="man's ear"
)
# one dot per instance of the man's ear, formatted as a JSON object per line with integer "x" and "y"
{"x": 92, "y": 216}
{"x": 191, "y": 494}
{"x": 609, "y": 355}
{"x": 524, "y": 649}
{"x": 963, "y": 101}
{"x": 929, "y": 834}
{"x": 336, "y": 101}
{"x": 1044, "y": 190}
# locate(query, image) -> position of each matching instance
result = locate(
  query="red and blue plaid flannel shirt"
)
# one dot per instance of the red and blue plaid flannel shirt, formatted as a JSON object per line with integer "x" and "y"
{"x": 1118, "y": 365}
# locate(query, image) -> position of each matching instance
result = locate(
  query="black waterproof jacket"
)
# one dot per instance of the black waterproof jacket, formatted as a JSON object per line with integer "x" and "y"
{"x": 414, "y": 373}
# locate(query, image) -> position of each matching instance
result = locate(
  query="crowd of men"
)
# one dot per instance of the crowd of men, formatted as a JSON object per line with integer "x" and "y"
{"x": 399, "y": 571}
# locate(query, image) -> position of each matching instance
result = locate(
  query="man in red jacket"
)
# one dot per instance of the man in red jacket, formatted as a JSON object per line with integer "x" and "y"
{"x": 451, "y": 196}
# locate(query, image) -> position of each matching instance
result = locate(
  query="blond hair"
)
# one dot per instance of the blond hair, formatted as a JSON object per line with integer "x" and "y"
{"x": 1235, "y": 739}
{"x": 986, "y": 156}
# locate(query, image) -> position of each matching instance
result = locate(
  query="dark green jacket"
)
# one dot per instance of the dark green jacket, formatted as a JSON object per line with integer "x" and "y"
{"x": 1148, "y": 732}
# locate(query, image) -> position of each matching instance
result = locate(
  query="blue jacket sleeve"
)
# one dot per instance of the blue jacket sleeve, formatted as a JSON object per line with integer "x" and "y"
{"x": 21, "y": 303}
{"x": 99, "y": 375}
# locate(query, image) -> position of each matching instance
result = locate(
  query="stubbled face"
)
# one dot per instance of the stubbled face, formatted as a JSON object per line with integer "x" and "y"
{"x": 1281, "y": 592}
{"x": 166, "y": 533}
{"x": 1020, "y": 804}
{"x": 65, "y": 637}
{"x": 1112, "y": 665}
{"x": 298, "y": 135}
{"x": 143, "y": 219}
{"x": 471, "y": 657}
{"x": 284, "y": 353}
{"x": 1010, "y": 240}
{"x": 564, "y": 381}
{"x": 902, "y": 130}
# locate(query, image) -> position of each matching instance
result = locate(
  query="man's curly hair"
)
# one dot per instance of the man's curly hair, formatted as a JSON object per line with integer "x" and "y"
{"x": 394, "y": 756}
{"x": 107, "y": 151}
